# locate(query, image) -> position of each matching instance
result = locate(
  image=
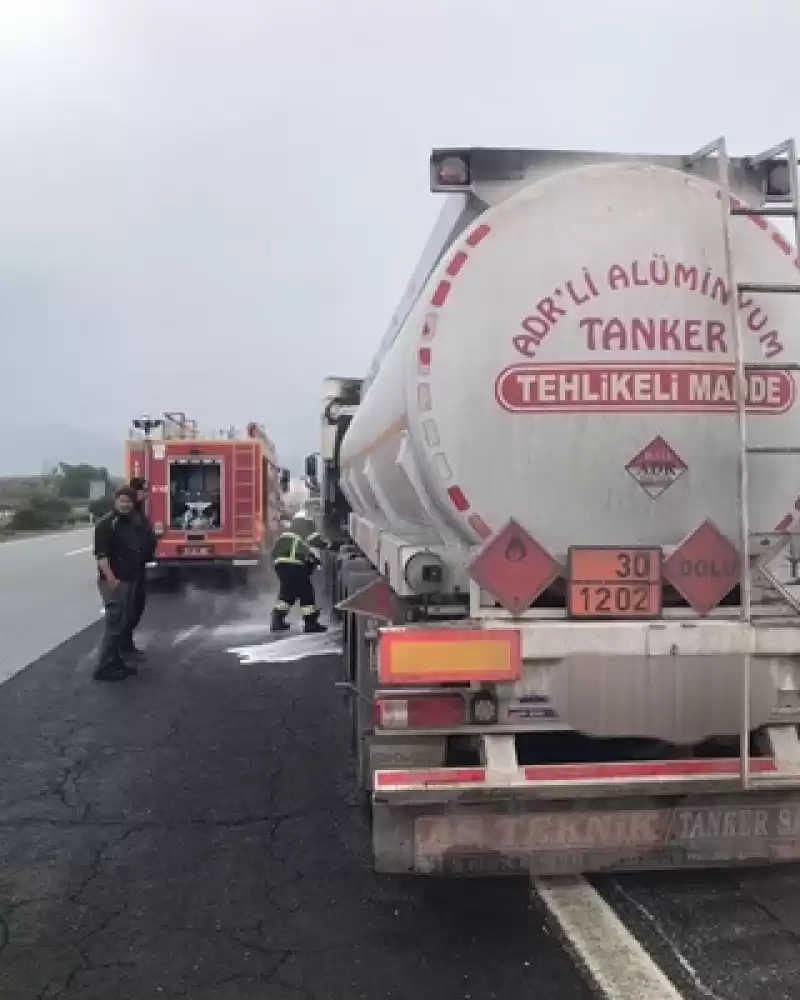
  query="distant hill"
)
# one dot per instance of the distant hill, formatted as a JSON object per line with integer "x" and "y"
{"x": 28, "y": 451}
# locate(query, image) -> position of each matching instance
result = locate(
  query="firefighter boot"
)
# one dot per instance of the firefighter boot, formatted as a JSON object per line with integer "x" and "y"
{"x": 311, "y": 623}
{"x": 278, "y": 622}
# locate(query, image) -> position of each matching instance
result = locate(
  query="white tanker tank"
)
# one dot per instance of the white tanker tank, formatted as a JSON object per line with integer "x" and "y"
{"x": 555, "y": 483}
{"x": 569, "y": 362}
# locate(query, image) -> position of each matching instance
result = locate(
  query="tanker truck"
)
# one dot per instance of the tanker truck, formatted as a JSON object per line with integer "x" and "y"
{"x": 567, "y": 492}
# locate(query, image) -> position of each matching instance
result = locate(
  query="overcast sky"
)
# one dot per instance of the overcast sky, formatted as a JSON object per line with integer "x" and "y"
{"x": 211, "y": 206}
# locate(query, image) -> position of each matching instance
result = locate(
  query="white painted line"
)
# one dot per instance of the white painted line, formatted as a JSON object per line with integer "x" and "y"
{"x": 617, "y": 965}
{"x": 77, "y": 552}
{"x": 677, "y": 954}
{"x": 186, "y": 634}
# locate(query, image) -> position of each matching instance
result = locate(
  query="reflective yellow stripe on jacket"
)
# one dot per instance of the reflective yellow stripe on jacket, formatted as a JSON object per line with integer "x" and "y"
{"x": 295, "y": 552}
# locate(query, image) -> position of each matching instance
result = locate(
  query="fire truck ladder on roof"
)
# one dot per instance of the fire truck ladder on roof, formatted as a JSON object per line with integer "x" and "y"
{"x": 784, "y": 152}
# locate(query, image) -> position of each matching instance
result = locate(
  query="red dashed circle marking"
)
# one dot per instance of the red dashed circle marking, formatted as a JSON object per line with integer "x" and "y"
{"x": 456, "y": 263}
{"x": 455, "y": 266}
{"x": 424, "y": 356}
{"x": 440, "y": 295}
{"x": 478, "y": 234}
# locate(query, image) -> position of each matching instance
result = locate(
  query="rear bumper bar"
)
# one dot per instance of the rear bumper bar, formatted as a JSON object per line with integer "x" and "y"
{"x": 568, "y": 781}
{"x": 679, "y": 814}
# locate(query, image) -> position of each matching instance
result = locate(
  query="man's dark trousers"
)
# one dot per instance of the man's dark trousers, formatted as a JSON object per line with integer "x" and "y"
{"x": 295, "y": 584}
{"x": 137, "y": 608}
{"x": 118, "y": 603}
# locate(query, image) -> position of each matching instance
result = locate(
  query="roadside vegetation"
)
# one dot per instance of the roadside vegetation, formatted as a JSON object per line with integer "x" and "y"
{"x": 55, "y": 501}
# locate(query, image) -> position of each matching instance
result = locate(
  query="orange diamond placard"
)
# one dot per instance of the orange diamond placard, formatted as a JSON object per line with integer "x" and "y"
{"x": 513, "y": 568}
{"x": 704, "y": 568}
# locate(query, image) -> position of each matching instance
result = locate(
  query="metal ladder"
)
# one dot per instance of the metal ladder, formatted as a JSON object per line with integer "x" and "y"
{"x": 244, "y": 480}
{"x": 788, "y": 207}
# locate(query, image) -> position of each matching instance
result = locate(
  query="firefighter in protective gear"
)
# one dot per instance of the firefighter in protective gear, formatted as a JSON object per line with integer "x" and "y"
{"x": 294, "y": 562}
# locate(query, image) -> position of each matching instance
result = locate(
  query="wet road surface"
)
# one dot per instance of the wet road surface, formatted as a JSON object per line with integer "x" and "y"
{"x": 195, "y": 832}
{"x": 718, "y": 935}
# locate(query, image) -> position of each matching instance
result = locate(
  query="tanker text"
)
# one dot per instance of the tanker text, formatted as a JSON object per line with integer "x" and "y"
{"x": 646, "y": 333}
{"x": 645, "y": 829}
{"x": 675, "y": 388}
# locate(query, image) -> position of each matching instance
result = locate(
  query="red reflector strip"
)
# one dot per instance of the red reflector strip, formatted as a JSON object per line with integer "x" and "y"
{"x": 616, "y": 770}
{"x": 434, "y": 776}
{"x": 644, "y": 769}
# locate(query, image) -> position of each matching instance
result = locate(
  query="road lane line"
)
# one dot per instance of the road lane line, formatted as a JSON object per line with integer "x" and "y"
{"x": 617, "y": 965}
{"x": 186, "y": 634}
{"x": 691, "y": 973}
{"x": 77, "y": 552}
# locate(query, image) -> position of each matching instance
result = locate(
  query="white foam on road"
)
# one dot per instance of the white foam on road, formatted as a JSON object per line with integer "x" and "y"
{"x": 242, "y": 629}
{"x": 293, "y": 647}
{"x": 618, "y": 967}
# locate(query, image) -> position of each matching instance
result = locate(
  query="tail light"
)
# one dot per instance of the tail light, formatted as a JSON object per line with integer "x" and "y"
{"x": 426, "y": 711}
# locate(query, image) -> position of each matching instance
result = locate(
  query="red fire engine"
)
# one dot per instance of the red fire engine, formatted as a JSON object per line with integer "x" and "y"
{"x": 214, "y": 499}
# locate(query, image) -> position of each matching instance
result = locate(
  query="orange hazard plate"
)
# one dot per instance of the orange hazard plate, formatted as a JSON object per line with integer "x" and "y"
{"x": 448, "y": 655}
{"x": 614, "y": 582}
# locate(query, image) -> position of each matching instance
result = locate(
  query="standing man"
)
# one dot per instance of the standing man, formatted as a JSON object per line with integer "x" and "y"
{"x": 147, "y": 550}
{"x": 294, "y": 563}
{"x": 116, "y": 549}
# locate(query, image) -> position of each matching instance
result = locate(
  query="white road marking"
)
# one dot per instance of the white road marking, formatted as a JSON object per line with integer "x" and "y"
{"x": 617, "y": 965}
{"x": 677, "y": 954}
{"x": 186, "y": 634}
{"x": 77, "y": 552}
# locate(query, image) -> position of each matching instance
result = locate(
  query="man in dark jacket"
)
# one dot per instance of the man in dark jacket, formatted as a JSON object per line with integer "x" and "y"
{"x": 116, "y": 548}
{"x": 147, "y": 549}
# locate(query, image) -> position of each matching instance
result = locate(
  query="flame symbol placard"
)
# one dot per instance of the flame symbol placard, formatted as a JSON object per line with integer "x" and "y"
{"x": 515, "y": 550}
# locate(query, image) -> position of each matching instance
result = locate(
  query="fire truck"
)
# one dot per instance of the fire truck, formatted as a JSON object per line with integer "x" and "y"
{"x": 567, "y": 497}
{"x": 214, "y": 498}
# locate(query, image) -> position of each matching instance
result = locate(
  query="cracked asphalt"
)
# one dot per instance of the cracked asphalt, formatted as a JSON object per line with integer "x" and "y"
{"x": 195, "y": 832}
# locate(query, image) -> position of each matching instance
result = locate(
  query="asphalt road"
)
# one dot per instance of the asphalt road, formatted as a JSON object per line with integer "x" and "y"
{"x": 47, "y": 594}
{"x": 195, "y": 832}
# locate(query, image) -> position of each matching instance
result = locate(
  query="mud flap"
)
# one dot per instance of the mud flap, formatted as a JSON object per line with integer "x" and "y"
{"x": 534, "y": 837}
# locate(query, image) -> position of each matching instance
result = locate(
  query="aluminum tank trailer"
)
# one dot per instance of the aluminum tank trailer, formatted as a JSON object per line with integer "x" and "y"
{"x": 572, "y": 481}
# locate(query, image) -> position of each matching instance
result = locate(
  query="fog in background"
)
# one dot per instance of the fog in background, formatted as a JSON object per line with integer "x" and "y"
{"x": 211, "y": 206}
